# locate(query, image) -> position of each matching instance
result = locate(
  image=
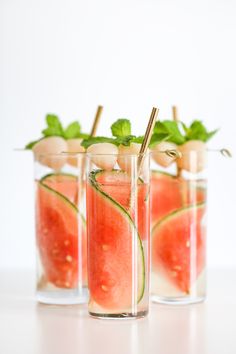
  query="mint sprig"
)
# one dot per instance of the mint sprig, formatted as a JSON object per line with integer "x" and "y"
{"x": 121, "y": 131}
{"x": 55, "y": 128}
{"x": 169, "y": 130}
{"x": 197, "y": 131}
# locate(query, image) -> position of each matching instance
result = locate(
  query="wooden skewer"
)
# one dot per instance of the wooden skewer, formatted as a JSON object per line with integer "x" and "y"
{"x": 96, "y": 121}
{"x": 147, "y": 137}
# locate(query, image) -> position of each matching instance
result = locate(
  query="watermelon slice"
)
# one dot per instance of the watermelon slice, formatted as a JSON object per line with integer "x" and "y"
{"x": 166, "y": 195}
{"x": 170, "y": 193}
{"x": 64, "y": 183}
{"x": 178, "y": 246}
{"x": 117, "y": 184}
{"x": 58, "y": 224}
{"x": 194, "y": 192}
{"x": 111, "y": 232}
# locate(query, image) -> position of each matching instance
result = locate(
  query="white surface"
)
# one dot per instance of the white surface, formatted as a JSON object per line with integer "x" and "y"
{"x": 28, "y": 328}
{"x": 69, "y": 56}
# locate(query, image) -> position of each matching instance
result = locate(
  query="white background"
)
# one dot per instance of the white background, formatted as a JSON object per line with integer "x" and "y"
{"x": 68, "y": 56}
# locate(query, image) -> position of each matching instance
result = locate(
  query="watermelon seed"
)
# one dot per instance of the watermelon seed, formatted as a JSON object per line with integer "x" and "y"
{"x": 105, "y": 247}
{"x": 104, "y": 288}
{"x": 187, "y": 244}
{"x": 66, "y": 242}
{"x": 177, "y": 267}
{"x": 69, "y": 258}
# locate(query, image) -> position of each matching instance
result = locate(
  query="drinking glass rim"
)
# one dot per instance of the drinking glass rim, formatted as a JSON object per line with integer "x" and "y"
{"x": 62, "y": 154}
{"x": 90, "y": 154}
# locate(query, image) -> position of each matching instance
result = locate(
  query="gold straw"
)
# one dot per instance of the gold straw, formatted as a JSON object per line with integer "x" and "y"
{"x": 147, "y": 137}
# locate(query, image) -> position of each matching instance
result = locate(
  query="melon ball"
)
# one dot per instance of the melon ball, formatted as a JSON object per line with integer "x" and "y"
{"x": 193, "y": 157}
{"x": 110, "y": 152}
{"x": 125, "y": 162}
{"x": 46, "y": 149}
{"x": 74, "y": 145}
{"x": 160, "y": 157}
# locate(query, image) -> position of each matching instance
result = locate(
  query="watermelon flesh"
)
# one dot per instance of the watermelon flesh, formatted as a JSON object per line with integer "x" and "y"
{"x": 110, "y": 248}
{"x": 169, "y": 193}
{"x": 174, "y": 227}
{"x": 165, "y": 195}
{"x": 63, "y": 183}
{"x": 179, "y": 244}
{"x": 117, "y": 184}
{"x": 58, "y": 226}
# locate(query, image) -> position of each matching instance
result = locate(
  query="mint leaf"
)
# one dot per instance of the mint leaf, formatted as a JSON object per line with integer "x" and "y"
{"x": 97, "y": 139}
{"x": 72, "y": 131}
{"x": 211, "y": 134}
{"x": 197, "y": 131}
{"x": 125, "y": 140}
{"x": 170, "y": 128}
{"x": 30, "y": 145}
{"x": 54, "y": 126}
{"x": 83, "y": 136}
{"x": 158, "y": 138}
{"x": 138, "y": 139}
{"x": 121, "y": 128}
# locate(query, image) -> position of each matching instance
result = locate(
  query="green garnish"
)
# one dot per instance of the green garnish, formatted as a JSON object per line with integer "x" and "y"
{"x": 121, "y": 128}
{"x": 121, "y": 132}
{"x": 197, "y": 131}
{"x": 55, "y": 128}
{"x": 95, "y": 140}
{"x": 170, "y": 130}
{"x": 30, "y": 145}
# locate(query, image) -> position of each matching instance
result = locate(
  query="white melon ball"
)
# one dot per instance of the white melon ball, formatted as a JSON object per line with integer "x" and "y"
{"x": 46, "y": 149}
{"x": 160, "y": 157}
{"x": 103, "y": 155}
{"x": 74, "y": 146}
{"x": 193, "y": 157}
{"x": 125, "y": 162}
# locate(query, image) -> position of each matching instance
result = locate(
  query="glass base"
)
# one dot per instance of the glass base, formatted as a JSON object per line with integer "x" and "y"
{"x": 62, "y": 297}
{"x": 119, "y": 316}
{"x": 182, "y": 300}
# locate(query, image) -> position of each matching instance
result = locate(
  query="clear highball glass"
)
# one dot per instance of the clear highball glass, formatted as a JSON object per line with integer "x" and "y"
{"x": 60, "y": 225}
{"x": 118, "y": 230}
{"x": 178, "y": 227}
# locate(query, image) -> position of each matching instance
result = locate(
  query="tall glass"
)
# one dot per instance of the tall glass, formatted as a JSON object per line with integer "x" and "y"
{"x": 60, "y": 228}
{"x": 118, "y": 235}
{"x": 178, "y": 227}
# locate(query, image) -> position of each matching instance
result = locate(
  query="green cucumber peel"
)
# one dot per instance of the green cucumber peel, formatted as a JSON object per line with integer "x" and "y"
{"x": 177, "y": 212}
{"x": 62, "y": 197}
